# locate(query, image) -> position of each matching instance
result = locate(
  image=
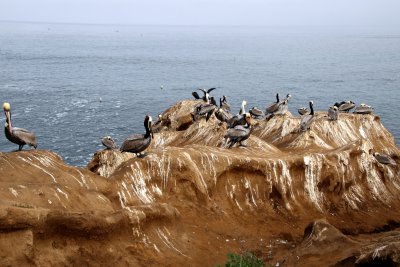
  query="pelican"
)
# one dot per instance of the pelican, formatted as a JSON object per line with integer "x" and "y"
{"x": 223, "y": 115}
{"x": 239, "y": 133}
{"x": 346, "y": 106}
{"x": 306, "y": 121}
{"x": 333, "y": 113}
{"x": 256, "y": 113}
{"x": 283, "y": 105}
{"x": 16, "y": 135}
{"x": 303, "y": 111}
{"x": 363, "y": 109}
{"x": 136, "y": 143}
{"x": 205, "y": 109}
{"x": 384, "y": 159}
{"x": 238, "y": 119}
{"x": 274, "y": 106}
{"x": 108, "y": 142}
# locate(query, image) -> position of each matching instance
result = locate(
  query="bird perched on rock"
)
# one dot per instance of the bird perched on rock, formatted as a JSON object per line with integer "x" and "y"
{"x": 223, "y": 103}
{"x": 16, "y": 135}
{"x": 257, "y": 113}
{"x": 238, "y": 119}
{"x": 306, "y": 120}
{"x": 274, "y": 106}
{"x": 137, "y": 143}
{"x": 204, "y": 109}
{"x": 206, "y": 97}
{"x": 303, "y": 111}
{"x": 384, "y": 159}
{"x": 239, "y": 133}
{"x": 108, "y": 142}
{"x": 333, "y": 113}
{"x": 345, "y": 106}
{"x": 363, "y": 109}
{"x": 283, "y": 106}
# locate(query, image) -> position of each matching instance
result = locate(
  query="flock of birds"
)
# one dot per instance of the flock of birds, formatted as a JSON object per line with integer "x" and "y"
{"x": 239, "y": 126}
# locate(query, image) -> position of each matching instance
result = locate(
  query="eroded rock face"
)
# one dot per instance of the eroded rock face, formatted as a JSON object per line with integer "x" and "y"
{"x": 190, "y": 199}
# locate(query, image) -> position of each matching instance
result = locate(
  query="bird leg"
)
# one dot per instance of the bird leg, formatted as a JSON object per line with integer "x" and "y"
{"x": 20, "y": 147}
{"x": 242, "y": 145}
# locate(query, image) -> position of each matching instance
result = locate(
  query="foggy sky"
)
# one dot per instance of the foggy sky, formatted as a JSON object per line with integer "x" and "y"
{"x": 206, "y": 12}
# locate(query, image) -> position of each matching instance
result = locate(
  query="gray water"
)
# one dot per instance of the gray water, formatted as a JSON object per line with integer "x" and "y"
{"x": 54, "y": 74}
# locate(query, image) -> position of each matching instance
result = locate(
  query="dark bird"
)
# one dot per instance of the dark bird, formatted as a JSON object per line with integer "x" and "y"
{"x": 108, "y": 142}
{"x": 16, "y": 135}
{"x": 238, "y": 119}
{"x": 303, "y": 111}
{"x": 274, "y": 106}
{"x": 136, "y": 143}
{"x": 306, "y": 120}
{"x": 333, "y": 113}
{"x": 205, "y": 109}
{"x": 384, "y": 159}
{"x": 223, "y": 103}
{"x": 363, "y": 109}
{"x": 257, "y": 113}
{"x": 346, "y": 106}
{"x": 206, "y": 97}
{"x": 239, "y": 133}
{"x": 223, "y": 115}
{"x": 196, "y": 95}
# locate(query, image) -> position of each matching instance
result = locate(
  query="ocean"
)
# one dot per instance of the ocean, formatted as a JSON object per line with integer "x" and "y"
{"x": 72, "y": 84}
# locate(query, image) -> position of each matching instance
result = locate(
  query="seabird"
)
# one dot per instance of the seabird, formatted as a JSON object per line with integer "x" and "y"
{"x": 16, "y": 135}
{"x": 346, "y": 106}
{"x": 238, "y": 119}
{"x": 257, "y": 113}
{"x": 363, "y": 109}
{"x": 274, "y": 106}
{"x": 136, "y": 143}
{"x": 306, "y": 120}
{"x": 223, "y": 115}
{"x": 283, "y": 105}
{"x": 223, "y": 103}
{"x": 333, "y": 113}
{"x": 384, "y": 159}
{"x": 239, "y": 133}
{"x": 206, "y": 97}
{"x": 108, "y": 142}
{"x": 303, "y": 111}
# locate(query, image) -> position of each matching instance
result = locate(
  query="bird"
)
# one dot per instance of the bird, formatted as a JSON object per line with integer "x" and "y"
{"x": 256, "y": 113}
{"x": 223, "y": 103}
{"x": 239, "y": 133}
{"x": 274, "y": 106}
{"x": 346, "y": 106}
{"x": 206, "y": 97}
{"x": 384, "y": 159}
{"x": 303, "y": 111}
{"x": 137, "y": 143}
{"x": 306, "y": 120}
{"x": 108, "y": 142}
{"x": 16, "y": 135}
{"x": 283, "y": 105}
{"x": 204, "y": 109}
{"x": 238, "y": 119}
{"x": 333, "y": 113}
{"x": 363, "y": 109}
{"x": 223, "y": 115}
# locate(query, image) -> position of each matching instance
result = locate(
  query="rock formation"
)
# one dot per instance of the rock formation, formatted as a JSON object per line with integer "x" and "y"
{"x": 191, "y": 200}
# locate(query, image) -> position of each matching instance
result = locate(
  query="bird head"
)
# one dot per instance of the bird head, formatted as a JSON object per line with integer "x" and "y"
{"x": 6, "y": 106}
{"x": 7, "y": 110}
{"x": 335, "y": 108}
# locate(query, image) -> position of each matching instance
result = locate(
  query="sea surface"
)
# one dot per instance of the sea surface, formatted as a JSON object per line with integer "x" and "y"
{"x": 72, "y": 84}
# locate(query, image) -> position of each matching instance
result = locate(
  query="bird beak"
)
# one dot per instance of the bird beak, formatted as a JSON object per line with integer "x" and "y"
{"x": 8, "y": 117}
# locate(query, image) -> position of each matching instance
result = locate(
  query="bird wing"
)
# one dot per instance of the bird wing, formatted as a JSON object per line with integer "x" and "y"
{"x": 273, "y": 107}
{"x": 132, "y": 141}
{"x": 196, "y": 95}
{"x": 209, "y": 90}
{"x": 305, "y": 121}
{"x": 25, "y": 136}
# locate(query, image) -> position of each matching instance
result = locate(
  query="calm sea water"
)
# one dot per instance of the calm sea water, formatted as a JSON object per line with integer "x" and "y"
{"x": 54, "y": 74}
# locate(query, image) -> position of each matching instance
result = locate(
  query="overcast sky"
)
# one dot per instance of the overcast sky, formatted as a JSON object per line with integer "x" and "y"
{"x": 206, "y": 12}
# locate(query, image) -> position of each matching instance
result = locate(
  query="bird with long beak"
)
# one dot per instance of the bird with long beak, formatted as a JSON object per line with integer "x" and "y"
{"x": 108, "y": 142}
{"x": 137, "y": 143}
{"x": 16, "y": 135}
{"x": 239, "y": 133}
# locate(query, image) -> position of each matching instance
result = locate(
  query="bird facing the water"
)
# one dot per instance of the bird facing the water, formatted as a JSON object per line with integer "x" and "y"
{"x": 333, "y": 113}
{"x": 137, "y": 143}
{"x": 108, "y": 142}
{"x": 16, "y": 135}
{"x": 306, "y": 120}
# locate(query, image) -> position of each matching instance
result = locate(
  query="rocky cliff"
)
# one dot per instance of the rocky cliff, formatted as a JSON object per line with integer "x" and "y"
{"x": 190, "y": 200}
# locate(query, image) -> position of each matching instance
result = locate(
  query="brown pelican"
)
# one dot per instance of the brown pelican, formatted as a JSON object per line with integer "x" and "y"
{"x": 108, "y": 142}
{"x": 256, "y": 113}
{"x": 136, "y": 143}
{"x": 333, "y": 113}
{"x": 238, "y": 119}
{"x": 283, "y": 105}
{"x": 384, "y": 159}
{"x": 274, "y": 106}
{"x": 206, "y": 97}
{"x": 306, "y": 120}
{"x": 16, "y": 135}
{"x": 363, "y": 109}
{"x": 346, "y": 106}
{"x": 223, "y": 115}
{"x": 303, "y": 111}
{"x": 223, "y": 103}
{"x": 239, "y": 133}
